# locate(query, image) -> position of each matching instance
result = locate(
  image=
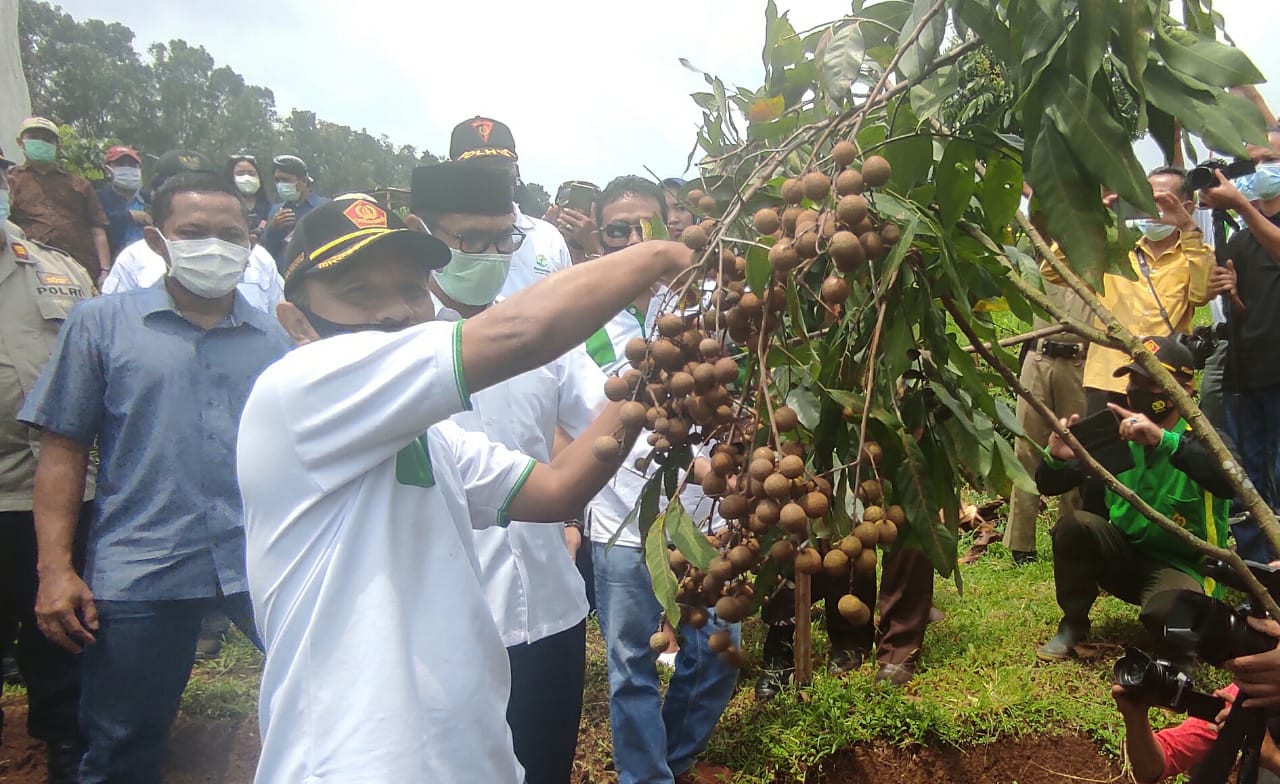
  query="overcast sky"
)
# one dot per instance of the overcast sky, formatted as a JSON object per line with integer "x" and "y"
{"x": 590, "y": 89}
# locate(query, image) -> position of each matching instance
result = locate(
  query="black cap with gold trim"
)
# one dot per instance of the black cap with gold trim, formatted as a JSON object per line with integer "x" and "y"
{"x": 339, "y": 230}
{"x": 482, "y": 137}
{"x": 1170, "y": 352}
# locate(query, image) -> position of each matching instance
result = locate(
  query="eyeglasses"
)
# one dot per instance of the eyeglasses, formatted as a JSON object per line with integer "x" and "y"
{"x": 505, "y": 243}
{"x": 621, "y": 231}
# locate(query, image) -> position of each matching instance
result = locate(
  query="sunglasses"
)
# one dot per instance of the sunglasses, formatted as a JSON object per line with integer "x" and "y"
{"x": 621, "y": 231}
{"x": 244, "y": 156}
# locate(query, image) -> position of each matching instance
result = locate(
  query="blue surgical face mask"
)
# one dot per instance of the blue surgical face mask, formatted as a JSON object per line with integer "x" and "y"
{"x": 1153, "y": 230}
{"x": 1246, "y": 186}
{"x": 288, "y": 191}
{"x": 39, "y": 151}
{"x": 1266, "y": 181}
{"x": 127, "y": 178}
{"x": 474, "y": 278}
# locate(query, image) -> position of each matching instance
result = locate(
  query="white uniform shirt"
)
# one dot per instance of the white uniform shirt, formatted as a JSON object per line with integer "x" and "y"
{"x": 138, "y": 267}
{"x": 611, "y": 506}
{"x": 532, "y": 585}
{"x": 383, "y": 662}
{"x": 544, "y": 251}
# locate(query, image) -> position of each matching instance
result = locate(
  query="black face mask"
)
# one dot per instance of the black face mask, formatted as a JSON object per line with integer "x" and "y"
{"x": 327, "y": 329}
{"x": 1155, "y": 405}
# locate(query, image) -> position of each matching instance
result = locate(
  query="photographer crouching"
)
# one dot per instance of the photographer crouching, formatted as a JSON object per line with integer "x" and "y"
{"x": 1152, "y": 451}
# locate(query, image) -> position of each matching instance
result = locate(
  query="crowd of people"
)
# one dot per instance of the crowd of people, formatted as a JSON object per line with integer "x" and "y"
{"x": 366, "y": 440}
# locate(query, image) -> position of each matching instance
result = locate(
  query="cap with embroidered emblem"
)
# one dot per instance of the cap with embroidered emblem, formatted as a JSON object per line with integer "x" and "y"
{"x": 338, "y": 231}
{"x": 1169, "y": 352}
{"x": 482, "y": 137}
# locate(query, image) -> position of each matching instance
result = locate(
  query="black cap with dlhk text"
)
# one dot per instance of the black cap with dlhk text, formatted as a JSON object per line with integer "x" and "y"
{"x": 1170, "y": 352}
{"x": 338, "y": 231}
{"x": 482, "y": 137}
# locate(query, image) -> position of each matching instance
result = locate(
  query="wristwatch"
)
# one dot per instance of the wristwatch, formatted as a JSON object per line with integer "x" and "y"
{"x": 575, "y": 524}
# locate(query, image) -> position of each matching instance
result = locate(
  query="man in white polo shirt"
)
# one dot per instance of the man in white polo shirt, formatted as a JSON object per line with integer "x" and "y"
{"x": 534, "y": 590}
{"x": 487, "y": 143}
{"x": 383, "y": 662}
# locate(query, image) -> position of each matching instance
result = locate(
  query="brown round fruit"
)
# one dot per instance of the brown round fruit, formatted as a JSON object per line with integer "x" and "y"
{"x": 872, "y": 244}
{"x": 710, "y": 349}
{"x": 677, "y": 560}
{"x": 632, "y": 415}
{"x": 768, "y": 511}
{"x": 791, "y": 466}
{"x": 815, "y": 504}
{"x": 734, "y": 507}
{"x": 793, "y": 519}
{"x": 742, "y": 558}
{"x": 696, "y": 617}
{"x": 723, "y": 463}
{"x": 694, "y": 196}
{"x": 873, "y": 452}
{"x": 671, "y": 325}
{"x": 835, "y": 290}
{"x": 835, "y": 563}
{"x": 816, "y": 186}
{"x": 777, "y": 486}
{"x": 808, "y": 561}
{"x": 680, "y": 384}
{"x": 751, "y": 305}
{"x": 844, "y": 153}
{"x": 783, "y": 257}
{"x": 896, "y": 515}
{"x": 760, "y": 468}
{"x": 846, "y": 251}
{"x": 607, "y": 449}
{"x": 890, "y": 233}
{"x": 793, "y": 191}
{"x": 707, "y": 205}
{"x": 693, "y": 237}
{"x": 867, "y": 534}
{"x": 729, "y": 609}
{"x": 719, "y": 641}
{"x": 865, "y": 563}
{"x": 782, "y": 551}
{"x": 667, "y": 355}
{"x": 876, "y": 171}
{"x": 766, "y": 221}
{"x": 849, "y": 181}
{"x": 872, "y": 514}
{"x": 806, "y": 244}
{"x": 720, "y": 568}
{"x": 764, "y": 453}
{"x": 854, "y": 610}
{"x": 785, "y": 419}
{"x": 713, "y": 484}
{"x": 615, "y": 389}
{"x": 636, "y": 349}
{"x": 888, "y": 532}
{"x": 851, "y": 209}
{"x": 870, "y": 491}
{"x": 704, "y": 376}
{"x": 660, "y": 641}
{"x": 851, "y": 546}
{"x": 726, "y": 370}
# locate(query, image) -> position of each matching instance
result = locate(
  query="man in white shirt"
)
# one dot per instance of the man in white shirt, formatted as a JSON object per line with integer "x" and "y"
{"x": 137, "y": 266}
{"x": 654, "y": 740}
{"x": 533, "y": 588}
{"x": 383, "y": 663}
{"x": 487, "y": 143}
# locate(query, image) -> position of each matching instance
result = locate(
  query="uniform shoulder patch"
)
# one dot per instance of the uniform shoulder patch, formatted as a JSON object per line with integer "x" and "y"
{"x": 20, "y": 250}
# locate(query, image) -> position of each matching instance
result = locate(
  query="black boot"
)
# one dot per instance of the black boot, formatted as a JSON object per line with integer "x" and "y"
{"x": 771, "y": 683}
{"x": 64, "y": 761}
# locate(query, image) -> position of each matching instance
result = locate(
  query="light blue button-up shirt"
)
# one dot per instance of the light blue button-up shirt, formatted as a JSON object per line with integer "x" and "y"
{"x": 162, "y": 399}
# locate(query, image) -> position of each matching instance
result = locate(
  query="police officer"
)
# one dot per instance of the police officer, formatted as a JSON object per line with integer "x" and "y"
{"x": 1052, "y": 371}
{"x": 38, "y": 287}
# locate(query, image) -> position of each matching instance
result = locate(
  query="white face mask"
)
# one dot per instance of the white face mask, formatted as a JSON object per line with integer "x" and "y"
{"x": 248, "y": 184}
{"x": 209, "y": 267}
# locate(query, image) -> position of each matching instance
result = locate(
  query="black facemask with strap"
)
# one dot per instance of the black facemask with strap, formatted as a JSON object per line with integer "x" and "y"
{"x": 327, "y": 329}
{"x": 1154, "y": 405}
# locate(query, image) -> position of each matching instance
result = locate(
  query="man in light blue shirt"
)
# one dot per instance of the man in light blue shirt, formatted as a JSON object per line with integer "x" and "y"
{"x": 157, "y": 378}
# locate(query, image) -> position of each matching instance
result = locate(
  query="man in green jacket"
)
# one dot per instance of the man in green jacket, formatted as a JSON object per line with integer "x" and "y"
{"x": 1113, "y": 546}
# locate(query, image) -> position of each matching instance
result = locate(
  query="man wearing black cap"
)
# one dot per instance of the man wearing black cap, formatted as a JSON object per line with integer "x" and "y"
{"x": 383, "y": 661}
{"x": 1116, "y": 548}
{"x": 533, "y": 589}
{"x": 487, "y": 143}
{"x": 293, "y": 186}
{"x": 139, "y": 266}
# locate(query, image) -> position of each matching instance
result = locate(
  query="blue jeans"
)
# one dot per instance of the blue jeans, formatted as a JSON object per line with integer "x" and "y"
{"x": 132, "y": 681}
{"x": 653, "y": 740}
{"x": 1253, "y": 420}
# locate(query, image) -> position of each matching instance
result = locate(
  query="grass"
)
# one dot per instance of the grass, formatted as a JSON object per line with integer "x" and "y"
{"x": 979, "y": 683}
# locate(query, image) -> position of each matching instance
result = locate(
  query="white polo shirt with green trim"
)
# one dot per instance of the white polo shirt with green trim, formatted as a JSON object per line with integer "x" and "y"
{"x": 383, "y": 661}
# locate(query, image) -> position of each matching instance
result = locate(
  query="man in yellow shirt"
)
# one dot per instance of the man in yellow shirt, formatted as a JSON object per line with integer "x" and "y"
{"x": 1172, "y": 266}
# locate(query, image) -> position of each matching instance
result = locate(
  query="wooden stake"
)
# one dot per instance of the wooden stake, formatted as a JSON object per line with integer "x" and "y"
{"x": 804, "y": 629}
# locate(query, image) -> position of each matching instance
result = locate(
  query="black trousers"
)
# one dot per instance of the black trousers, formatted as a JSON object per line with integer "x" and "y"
{"x": 51, "y": 674}
{"x": 545, "y": 708}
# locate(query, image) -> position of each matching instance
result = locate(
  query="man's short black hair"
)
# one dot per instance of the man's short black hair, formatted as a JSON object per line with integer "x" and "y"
{"x": 629, "y": 184}
{"x": 1184, "y": 190}
{"x": 189, "y": 182}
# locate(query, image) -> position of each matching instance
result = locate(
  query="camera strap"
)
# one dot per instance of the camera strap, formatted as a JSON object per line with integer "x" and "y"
{"x": 1145, "y": 268}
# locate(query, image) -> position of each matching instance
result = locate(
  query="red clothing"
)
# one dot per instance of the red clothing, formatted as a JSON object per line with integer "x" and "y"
{"x": 59, "y": 209}
{"x": 1186, "y": 744}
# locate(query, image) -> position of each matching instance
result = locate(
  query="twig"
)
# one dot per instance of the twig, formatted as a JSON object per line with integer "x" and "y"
{"x": 1034, "y": 334}
{"x": 1255, "y": 588}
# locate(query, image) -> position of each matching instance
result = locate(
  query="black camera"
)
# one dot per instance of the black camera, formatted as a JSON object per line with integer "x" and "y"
{"x": 1201, "y": 177}
{"x": 1161, "y": 683}
{"x": 1202, "y": 342}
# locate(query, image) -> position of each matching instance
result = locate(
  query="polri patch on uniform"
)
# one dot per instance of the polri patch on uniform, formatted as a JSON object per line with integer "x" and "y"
{"x": 20, "y": 250}
{"x": 53, "y": 279}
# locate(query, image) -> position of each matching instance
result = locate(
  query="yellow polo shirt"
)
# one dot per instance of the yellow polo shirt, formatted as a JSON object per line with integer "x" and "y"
{"x": 1180, "y": 276}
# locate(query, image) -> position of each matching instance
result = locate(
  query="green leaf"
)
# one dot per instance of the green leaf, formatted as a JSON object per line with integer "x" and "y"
{"x": 758, "y": 269}
{"x": 1197, "y": 110}
{"x": 1001, "y": 192}
{"x": 1013, "y": 469}
{"x": 840, "y": 56}
{"x": 1098, "y": 141}
{"x": 686, "y": 536}
{"x": 1087, "y": 42}
{"x": 956, "y": 183}
{"x": 1244, "y": 117}
{"x": 912, "y": 484}
{"x": 805, "y": 404}
{"x": 1208, "y": 61}
{"x": 980, "y": 15}
{"x": 645, "y": 510}
{"x": 1132, "y": 23}
{"x": 659, "y": 566}
{"x": 1071, "y": 204}
{"x": 925, "y": 48}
